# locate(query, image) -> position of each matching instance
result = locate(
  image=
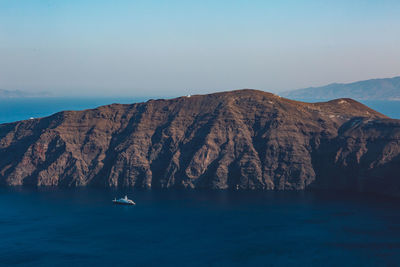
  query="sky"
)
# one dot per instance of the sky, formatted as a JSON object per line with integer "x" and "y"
{"x": 171, "y": 48}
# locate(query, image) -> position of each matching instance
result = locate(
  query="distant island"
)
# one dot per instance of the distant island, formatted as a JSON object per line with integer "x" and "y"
{"x": 244, "y": 139}
{"x": 21, "y": 94}
{"x": 374, "y": 89}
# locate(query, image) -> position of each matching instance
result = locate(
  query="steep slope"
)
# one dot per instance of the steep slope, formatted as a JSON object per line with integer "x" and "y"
{"x": 375, "y": 89}
{"x": 365, "y": 156}
{"x": 246, "y": 138}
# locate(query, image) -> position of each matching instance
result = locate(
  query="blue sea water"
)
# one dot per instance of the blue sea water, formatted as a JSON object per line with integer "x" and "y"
{"x": 389, "y": 108}
{"x": 81, "y": 227}
{"x": 15, "y": 109}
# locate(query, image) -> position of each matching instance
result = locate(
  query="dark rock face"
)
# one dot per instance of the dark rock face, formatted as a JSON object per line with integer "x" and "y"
{"x": 247, "y": 138}
{"x": 365, "y": 156}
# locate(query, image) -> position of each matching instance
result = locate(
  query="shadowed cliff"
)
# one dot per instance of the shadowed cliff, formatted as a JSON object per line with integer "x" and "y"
{"x": 247, "y": 138}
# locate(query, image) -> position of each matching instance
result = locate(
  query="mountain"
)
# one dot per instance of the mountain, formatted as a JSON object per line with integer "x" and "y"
{"x": 244, "y": 139}
{"x": 21, "y": 94}
{"x": 375, "y": 89}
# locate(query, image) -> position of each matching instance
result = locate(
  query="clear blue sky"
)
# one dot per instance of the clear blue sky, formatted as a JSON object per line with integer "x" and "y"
{"x": 172, "y": 47}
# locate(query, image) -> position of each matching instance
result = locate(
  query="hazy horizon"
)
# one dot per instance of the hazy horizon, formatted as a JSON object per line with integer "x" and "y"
{"x": 170, "y": 48}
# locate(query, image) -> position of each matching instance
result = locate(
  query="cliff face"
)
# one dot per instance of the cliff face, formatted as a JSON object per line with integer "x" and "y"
{"x": 365, "y": 156}
{"x": 247, "y": 138}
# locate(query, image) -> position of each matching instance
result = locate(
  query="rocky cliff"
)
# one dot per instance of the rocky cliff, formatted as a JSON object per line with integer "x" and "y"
{"x": 244, "y": 139}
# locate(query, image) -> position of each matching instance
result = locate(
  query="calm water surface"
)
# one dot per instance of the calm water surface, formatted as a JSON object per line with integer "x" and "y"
{"x": 15, "y": 109}
{"x": 172, "y": 228}
{"x": 389, "y": 108}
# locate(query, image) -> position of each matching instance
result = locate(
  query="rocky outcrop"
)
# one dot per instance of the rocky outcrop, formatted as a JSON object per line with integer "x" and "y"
{"x": 244, "y": 139}
{"x": 365, "y": 156}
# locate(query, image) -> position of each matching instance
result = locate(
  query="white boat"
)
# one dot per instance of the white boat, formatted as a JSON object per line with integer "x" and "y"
{"x": 124, "y": 201}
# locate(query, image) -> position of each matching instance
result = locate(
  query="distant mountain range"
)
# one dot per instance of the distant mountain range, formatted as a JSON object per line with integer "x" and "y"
{"x": 375, "y": 89}
{"x": 20, "y": 94}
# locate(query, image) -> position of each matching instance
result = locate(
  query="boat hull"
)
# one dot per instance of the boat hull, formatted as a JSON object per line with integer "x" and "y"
{"x": 122, "y": 203}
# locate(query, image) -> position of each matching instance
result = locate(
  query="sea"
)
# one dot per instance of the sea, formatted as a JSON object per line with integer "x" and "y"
{"x": 16, "y": 109}
{"x": 82, "y": 227}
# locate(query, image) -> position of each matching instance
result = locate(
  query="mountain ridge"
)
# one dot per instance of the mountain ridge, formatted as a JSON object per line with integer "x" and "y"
{"x": 372, "y": 89}
{"x": 21, "y": 94}
{"x": 246, "y": 139}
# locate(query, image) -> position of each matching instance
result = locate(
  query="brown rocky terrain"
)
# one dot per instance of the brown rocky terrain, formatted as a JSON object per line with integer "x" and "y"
{"x": 246, "y": 138}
